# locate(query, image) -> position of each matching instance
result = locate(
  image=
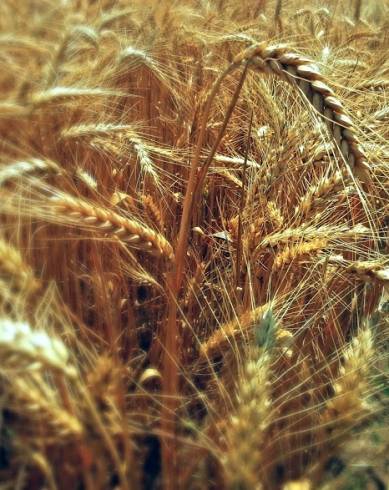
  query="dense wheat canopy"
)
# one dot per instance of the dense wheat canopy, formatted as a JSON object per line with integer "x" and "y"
{"x": 194, "y": 244}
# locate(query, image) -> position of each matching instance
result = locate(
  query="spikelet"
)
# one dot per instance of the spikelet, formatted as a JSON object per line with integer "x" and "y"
{"x": 153, "y": 210}
{"x": 229, "y": 332}
{"x": 104, "y": 382}
{"x": 144, "y": 159}
{"x": 245, "y": 435}
{"x": 275, "y": 214}
{"x": 132, "y": 58}
{"x": 90, "y": 131}
{"x": 310, "y": 232}
{"x": 86, "y": 178}
{"x": 193, "y": 286}
{"x": 67, "y": 95}
{"x": 229, "y": 177}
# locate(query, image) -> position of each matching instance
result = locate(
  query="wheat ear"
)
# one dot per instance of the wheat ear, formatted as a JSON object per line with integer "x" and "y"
{"x": 349, "y": 403}
{"x": 308, "y": 232}
{"x": 301, "y": 72}
{"x": 24, "y": 348}
{"x": 15, "y": 270}
{"x": 228, "y": 333}
{"x": 322, "y": 188}
{"x": 40, "y": 414}
{"x": 297, "y": 251}
{"x": 26, "y": 167}
{"x": 126, "y": 230}
{"x": 247, "y": 425}
{"x": 63, "y": 95}
{"x": 366, "y": 270}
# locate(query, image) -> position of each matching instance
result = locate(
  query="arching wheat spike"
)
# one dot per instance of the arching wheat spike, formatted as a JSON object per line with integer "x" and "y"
{"x": 126, "y": 230}
{"x": 301, "y": 72}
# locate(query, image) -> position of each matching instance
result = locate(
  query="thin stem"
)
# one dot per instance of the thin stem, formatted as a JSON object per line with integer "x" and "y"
{"x": 173, "y": 282}
{"x": 241, "y": 204}
{"x": 358, "y": 8}
{"x": 234, "y": 100}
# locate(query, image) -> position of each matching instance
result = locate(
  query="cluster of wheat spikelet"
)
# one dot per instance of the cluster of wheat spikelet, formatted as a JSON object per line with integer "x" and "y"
{"x": 193, "y": 241}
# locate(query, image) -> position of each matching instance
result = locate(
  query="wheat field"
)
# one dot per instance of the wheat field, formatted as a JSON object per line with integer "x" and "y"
{"x": 194, "y": 209}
